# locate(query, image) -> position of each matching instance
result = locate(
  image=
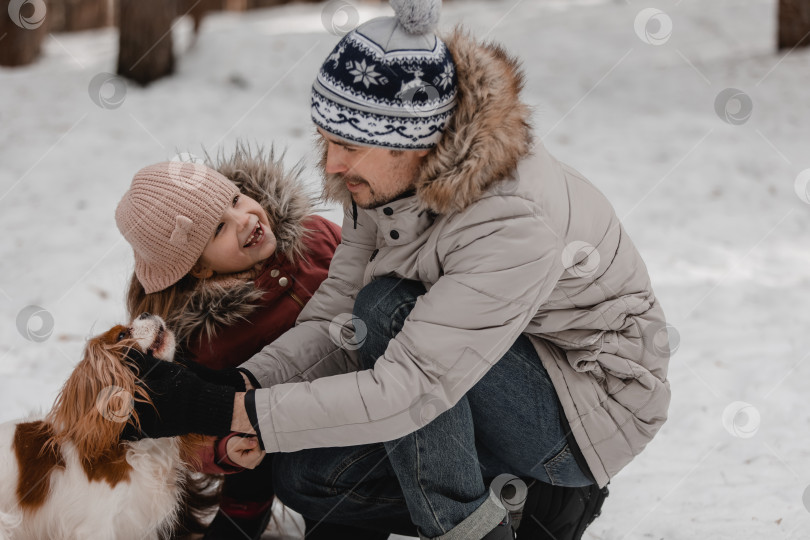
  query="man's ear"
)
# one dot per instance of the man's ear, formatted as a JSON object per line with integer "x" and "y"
{"x": 423, "y": 153}
{"x": 200, "y": 271}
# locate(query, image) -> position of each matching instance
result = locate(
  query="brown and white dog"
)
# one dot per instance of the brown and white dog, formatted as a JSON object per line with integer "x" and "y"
{"x": 67, "y": 475}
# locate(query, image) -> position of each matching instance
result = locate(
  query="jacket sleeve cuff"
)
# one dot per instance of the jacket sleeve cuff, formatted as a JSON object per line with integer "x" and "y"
{"x": 252, "y": 378}
{"x": 261, "y": 402}
{"x": 250, "y": 409}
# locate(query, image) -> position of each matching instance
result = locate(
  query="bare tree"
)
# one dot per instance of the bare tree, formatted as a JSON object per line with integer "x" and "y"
{"x": 74, "y": 15}
{"x": 794, "y": 24}
{"x": 197, "y": 9}
{"x": 252, "y": 4}
{"x": 21, "y": 31}
{"x": 145, "y": 46}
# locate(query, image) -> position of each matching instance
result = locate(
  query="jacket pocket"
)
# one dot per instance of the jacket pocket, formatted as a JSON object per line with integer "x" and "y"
{"x": 563, "y": 470}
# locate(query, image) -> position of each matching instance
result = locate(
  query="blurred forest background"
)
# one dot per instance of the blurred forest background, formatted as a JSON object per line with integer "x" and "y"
{"x": 145, "y": 46}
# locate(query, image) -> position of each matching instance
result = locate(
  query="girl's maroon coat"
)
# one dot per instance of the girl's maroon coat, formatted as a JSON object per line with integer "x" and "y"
{"x": 287, "y": 287}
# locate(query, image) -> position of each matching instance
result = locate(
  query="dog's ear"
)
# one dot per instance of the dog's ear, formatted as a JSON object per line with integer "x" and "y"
{"x": 97, "y": 401}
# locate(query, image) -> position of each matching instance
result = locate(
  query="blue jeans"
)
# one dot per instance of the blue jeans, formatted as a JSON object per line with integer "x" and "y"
{"x": 435, "y": 478}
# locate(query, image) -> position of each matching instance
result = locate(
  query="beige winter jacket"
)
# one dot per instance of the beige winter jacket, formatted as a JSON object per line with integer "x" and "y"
{"x": 507, "y": 240}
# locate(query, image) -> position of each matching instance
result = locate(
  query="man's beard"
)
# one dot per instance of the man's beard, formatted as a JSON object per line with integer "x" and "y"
{"x": 375, "y": 200}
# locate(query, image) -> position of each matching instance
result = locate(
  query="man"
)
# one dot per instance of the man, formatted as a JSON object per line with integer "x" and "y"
{"x": 485, "y": 314}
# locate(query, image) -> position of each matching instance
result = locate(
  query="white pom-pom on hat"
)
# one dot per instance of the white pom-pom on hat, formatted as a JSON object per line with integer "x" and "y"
{"x": 417, "y": 16}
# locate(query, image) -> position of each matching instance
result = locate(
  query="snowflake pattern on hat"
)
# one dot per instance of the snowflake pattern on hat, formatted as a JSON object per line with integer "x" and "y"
{"x": 400, "y": 95}
{"x": 364, "y": 74}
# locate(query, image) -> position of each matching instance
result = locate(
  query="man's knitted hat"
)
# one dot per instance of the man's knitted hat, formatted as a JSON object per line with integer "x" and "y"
{"x": 390, "y": 82}
{"x": 169, "y": 214}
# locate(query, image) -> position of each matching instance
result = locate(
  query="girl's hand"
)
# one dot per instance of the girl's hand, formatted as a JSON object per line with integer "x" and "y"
{"x": 181, "y": 402}
{"x": 245, "y": 451}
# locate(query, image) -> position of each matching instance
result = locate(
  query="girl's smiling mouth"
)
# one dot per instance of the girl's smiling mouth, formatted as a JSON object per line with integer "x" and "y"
{"x": 255, "y": 237}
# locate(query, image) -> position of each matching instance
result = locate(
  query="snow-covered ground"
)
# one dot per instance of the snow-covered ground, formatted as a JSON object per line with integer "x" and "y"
{"x": 717, "y": 206}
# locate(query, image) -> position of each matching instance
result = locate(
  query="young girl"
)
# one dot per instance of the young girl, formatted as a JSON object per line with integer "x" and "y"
{"x": 228, "y": 255}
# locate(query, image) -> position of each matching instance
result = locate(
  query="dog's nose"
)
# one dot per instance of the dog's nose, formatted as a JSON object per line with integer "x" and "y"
{"x": 144, "y": 315}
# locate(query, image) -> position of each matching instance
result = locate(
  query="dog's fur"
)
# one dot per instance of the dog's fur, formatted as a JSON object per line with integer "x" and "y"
{"x": 67, "y": 475}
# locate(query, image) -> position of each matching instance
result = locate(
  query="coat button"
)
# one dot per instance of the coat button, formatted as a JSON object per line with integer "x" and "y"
{"x": 283, "y": 282}
{"x": 394, "y": 235}
{"x": 274, "y": 273}
{"x": 388, "y": 211}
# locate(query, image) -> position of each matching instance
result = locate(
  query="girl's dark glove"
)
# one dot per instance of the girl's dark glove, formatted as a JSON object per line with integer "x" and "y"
{"x": 183, "y": 402}
{"x": 229, "y": 376}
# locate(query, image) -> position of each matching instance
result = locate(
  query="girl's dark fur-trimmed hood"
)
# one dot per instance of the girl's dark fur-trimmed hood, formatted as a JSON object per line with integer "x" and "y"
{"x": 485, "y": 138}
{"x": 261, "y": 175}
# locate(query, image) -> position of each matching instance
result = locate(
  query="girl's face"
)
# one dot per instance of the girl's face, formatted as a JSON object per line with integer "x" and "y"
{"x": 242, "y": 239}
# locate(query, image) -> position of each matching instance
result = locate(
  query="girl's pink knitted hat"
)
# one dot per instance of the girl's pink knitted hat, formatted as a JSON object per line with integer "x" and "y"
{"x": 168, "y": 216}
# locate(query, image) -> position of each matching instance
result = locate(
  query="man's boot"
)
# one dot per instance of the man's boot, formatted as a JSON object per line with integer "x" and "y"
{"x": 559, "y": 513}
{"x": 502, "y": 531}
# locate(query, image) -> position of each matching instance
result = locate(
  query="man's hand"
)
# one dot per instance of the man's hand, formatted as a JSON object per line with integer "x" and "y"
{"x": 245, "y": 451}
{"x": 240, "y": 421}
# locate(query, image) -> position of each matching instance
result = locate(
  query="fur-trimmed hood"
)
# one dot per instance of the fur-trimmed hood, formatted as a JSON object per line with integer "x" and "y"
{"x": 259, "y": 174}
{"x": 487, "y": 135}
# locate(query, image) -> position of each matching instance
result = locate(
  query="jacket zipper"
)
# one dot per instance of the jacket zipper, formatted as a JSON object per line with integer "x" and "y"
{"x": 369, "y": 271}
{"x": 297, "y": 300}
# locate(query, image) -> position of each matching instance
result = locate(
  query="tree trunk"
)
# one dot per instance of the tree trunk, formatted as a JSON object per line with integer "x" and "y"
{"x": 21, "y": 32}
{"x": 74, "y": 15}
{"x": 145, "y": 46}
{"x": 794, "y": 24}
{"x": 196, "y": 9}
{"x": 235, "y": 5}
{"x": 254, "y": 4}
